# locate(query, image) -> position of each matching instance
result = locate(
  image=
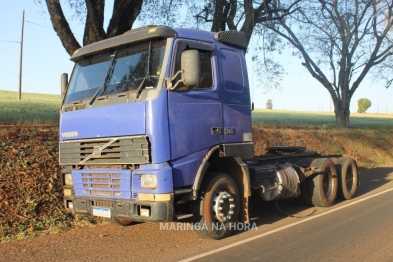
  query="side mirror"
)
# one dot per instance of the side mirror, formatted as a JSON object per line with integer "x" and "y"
{"x": 190, "y": 66}
{"x": 64, "y": 84}
{"x": 190, "y": 70}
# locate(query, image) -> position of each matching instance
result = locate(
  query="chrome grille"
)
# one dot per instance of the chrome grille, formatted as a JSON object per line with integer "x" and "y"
{"x": 101, "y": 183}
{"x": 122, "y": 150}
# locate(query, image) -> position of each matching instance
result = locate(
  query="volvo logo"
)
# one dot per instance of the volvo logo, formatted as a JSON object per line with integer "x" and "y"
{"x": 97, "y": 151}
{"x": 69, "y": 134}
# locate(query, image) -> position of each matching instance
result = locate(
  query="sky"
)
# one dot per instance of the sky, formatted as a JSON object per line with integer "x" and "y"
{"x": 45, "y": 59}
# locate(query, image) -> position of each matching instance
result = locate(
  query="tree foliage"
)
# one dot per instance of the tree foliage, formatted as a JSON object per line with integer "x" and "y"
{"x": 244, "y": 16}
{"x": 363, "y": 105}
{"x": 269, "y": 104}
{"x": 339, "y": 40}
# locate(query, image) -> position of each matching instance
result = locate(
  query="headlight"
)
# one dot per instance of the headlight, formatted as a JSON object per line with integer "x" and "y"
{"x": 68, "y": 180}
{"x": 148, "y": 181}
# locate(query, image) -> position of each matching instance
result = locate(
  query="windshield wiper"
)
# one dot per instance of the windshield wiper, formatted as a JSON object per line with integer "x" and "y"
{"x": 141, "y": 86}
{"x": 108, "y": 76}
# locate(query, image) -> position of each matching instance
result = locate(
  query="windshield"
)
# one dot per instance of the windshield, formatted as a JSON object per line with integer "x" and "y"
{"x": 130, "y": 66}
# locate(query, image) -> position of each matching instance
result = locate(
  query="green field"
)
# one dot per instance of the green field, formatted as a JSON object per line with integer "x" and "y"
{"x": 33, "y": 109}
{"x": 281, "y": 118}
{"x": 44, "y": 109}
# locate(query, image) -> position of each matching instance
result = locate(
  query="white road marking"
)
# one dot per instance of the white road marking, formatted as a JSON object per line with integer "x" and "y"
{"x": 282, "y": 228}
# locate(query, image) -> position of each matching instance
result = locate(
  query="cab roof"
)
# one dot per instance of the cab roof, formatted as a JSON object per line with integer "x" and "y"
{"x": 153, "y": 31}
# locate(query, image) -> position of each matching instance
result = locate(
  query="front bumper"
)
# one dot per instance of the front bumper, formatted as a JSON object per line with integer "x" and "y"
{"x": 141, "y": 211}
{"x": 118, "y": 193}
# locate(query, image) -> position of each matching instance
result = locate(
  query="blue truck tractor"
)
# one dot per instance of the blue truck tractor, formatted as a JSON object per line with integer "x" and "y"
{"x": 155, "y": 126}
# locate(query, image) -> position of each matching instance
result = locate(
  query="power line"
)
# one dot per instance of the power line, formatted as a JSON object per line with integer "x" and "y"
{"x": 10, "y": 41}
{"x": 38, "y": 24}
{"x": 46, "y": 26}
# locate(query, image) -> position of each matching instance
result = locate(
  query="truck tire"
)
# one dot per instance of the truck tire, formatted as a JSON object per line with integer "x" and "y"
{"x": 323, "y": 185}
{"x": 348, "y": 178}
{"x": 120, "y": 222}
{"x": 218, "y": 209}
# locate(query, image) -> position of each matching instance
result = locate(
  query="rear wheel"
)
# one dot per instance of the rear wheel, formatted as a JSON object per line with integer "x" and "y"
{"x": 218, "y": 209}
{"x": 348, "y": 178}
{"x": 323, "y": 185}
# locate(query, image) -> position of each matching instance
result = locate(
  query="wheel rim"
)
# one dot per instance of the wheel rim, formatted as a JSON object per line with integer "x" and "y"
{"x": 223, "y": 205}
{"x": 349, "y": 178}
{"x": 327, "y": 182}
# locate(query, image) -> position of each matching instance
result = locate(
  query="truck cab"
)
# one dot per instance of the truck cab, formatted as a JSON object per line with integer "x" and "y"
{"x": 140, "y": 113}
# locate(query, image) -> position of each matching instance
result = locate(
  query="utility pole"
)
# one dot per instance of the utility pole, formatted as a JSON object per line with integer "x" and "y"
{"x": 331, "y": 99}
{"x": 20, "y": 59}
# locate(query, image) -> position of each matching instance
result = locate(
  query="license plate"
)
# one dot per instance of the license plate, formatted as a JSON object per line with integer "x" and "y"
{"x": 102, "y": 212}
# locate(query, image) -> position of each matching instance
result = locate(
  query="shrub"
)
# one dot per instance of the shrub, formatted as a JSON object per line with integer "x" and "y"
{"x": 269, "y": 104}
{"x": 363, "y": 105}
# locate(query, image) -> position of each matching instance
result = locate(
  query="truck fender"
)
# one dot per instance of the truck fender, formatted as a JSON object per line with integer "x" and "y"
{"x": 201, "y": 172}
{"x": 234, "y": 167}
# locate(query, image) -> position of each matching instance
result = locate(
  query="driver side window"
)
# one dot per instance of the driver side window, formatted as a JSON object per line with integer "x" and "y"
{"x": 206, "y": 71}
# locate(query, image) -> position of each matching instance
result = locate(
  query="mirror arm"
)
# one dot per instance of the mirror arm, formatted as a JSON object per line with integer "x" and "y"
{"x": 169, "y": 81}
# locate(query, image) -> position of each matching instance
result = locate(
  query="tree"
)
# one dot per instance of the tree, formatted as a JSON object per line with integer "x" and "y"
{"x": 245, "y": 16}
{"x": 343, "y": 39}
{"x": 214, "y": 15}
{"x": 124, "y": 15}
{"x": 269, "y": 104}
{"x": 221, "y": 14}
{"x": 363, "y": 105}
{"x": 217, "y": 15}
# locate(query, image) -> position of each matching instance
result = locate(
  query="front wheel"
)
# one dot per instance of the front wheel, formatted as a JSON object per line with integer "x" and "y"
{"x": 219, "y": 207}
{"x": 120, "y": 222}
{"x": 323, "y": 185}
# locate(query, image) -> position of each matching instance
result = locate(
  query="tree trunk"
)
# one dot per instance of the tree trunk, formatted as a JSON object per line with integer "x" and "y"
{"x": 219, "y": 19}
{"x": 61, "y": 26}
{"x": 94, "y": 30}
{"x": 341, "y": 110}
{"x": 124, "y": 15}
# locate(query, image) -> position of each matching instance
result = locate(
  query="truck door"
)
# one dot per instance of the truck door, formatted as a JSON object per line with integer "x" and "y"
{"x": 235, "y": 96}
{"x": 194, "y": 111}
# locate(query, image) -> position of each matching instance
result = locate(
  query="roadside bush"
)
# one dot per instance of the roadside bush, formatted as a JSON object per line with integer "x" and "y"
{"x": 269, "y": 104}
{"x": 363, "y": 105}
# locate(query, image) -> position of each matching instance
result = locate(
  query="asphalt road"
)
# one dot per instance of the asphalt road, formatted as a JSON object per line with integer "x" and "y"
{"x": 357, "y": 230}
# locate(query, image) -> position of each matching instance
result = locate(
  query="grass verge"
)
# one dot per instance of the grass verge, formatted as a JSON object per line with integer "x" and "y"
{"x": 320, "y": 120}
{"x": 33, "y": 109}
